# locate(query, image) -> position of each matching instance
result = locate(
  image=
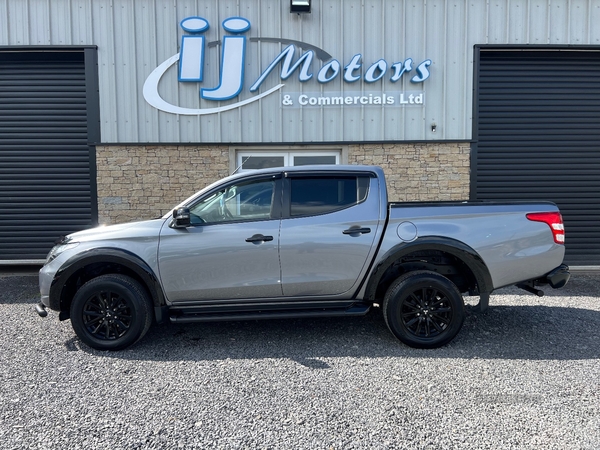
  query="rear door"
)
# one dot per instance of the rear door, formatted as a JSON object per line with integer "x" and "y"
{"x": 231, "y": 249}
{"x": 328, "y": 232}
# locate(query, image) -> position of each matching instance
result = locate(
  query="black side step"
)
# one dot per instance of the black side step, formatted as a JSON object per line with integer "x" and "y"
{"x": 182, "y": 316}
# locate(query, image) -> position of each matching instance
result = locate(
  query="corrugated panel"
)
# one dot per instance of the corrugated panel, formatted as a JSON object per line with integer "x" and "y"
{"x": 539, "y": 137}
{"x": 134, "y": 37}
{"x": 45, "y": 185}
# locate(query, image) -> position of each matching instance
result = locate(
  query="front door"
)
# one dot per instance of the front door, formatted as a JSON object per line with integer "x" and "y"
{"x": 231, "y": 249}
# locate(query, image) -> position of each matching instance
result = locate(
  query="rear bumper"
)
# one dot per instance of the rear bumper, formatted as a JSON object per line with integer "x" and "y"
{"x": 558, "y": 277}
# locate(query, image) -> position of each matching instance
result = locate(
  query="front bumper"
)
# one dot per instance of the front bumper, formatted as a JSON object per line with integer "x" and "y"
{"x": 46, "y": 277}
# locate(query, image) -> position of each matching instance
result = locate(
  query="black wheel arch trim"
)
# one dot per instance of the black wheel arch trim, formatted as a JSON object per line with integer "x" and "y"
{"x": 106, "y": 255}
{"x": 459, "y": 249}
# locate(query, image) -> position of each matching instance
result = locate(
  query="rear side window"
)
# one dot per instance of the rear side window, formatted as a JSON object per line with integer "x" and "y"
{"x": 320, "y": 195}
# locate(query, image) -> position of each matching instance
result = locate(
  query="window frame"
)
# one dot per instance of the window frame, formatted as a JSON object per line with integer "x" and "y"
{"x": 287, "y": 190}
{"x": 275, "y": 213}
{"x": 237, "y": 155}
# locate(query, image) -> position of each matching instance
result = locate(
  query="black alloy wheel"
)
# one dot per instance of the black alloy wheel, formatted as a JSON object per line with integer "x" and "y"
{"x": 107, "y": 315}
{"x": 424, "y": 309}
{"x": 111, "y": 312}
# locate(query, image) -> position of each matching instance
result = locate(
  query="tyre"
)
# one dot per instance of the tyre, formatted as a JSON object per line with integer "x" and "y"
{"x": 424, "y": 309}
{"x": 111, "y": 312}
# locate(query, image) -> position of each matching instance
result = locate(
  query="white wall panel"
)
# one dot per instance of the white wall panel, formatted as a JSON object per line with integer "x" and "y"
{"x": 18, "y": 23}
{"x": 61, "y": 22}
{"x": 394, "y": 44}
{"x": 126, "y": 71}
{"x": 135, "y": 37}
{"x": 538, "y": 24}
{"x": 166, "y": 44}
{"x": 104, "y": 33}
{"x": 330, "y": 123}
{"x": 559, "y": 22}
{"x": 79, "y": 22}
{"x": 518, "y": 21}
{"x": 436, "y": 38}
{"x": 145, "y": 24}
{"x": 38, "y": 14}
{"x": 456, "y": 110}
{"x": 497, "y": 25}
{"x": 416, "y": 21}
{"x": 579, "y": 25}
{"x": 594, "y": 20}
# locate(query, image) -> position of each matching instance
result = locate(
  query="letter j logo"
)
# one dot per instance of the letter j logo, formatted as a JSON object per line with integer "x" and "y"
{"x": 191, "y": 67}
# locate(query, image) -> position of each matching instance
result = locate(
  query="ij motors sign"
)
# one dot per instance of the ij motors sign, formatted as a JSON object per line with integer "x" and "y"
{"x": 233, "y": 77}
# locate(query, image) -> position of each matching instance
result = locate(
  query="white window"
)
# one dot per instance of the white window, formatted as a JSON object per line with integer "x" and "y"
{"x": 261, "y": 159}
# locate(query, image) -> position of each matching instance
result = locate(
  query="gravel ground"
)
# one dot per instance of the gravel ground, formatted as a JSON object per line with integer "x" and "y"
{"x": 526, "y": 374}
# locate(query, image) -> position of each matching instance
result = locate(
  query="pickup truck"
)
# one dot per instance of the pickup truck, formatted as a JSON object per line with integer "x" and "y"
{"x": 294, "y": 242}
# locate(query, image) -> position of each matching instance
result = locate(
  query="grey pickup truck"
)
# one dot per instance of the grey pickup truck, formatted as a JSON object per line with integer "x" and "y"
{"x": 297, "y": 242}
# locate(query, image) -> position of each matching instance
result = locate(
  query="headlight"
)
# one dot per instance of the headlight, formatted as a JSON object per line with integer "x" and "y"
{"x": 58, "y": 249}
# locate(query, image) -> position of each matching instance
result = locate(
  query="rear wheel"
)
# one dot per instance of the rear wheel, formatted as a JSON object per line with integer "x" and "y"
{"x": 424, "y": 309}
{"x": 111, "y": 312}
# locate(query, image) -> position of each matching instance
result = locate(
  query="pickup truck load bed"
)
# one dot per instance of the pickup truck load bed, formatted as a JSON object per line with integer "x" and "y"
{"x": 301, "y": 242}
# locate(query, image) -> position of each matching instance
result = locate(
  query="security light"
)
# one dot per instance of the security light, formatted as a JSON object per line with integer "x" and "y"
{"x": 300, "y": 6}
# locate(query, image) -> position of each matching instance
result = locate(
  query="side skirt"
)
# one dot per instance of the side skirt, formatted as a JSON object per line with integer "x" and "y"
{"x": 215, "y": 314}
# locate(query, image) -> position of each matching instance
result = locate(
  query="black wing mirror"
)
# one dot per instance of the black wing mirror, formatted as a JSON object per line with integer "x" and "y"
{"x": 181, "y": 218}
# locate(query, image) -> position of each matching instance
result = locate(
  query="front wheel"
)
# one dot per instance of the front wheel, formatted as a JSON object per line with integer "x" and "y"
{"x": 424, "y": 309}
{"x": 111, "y": 312}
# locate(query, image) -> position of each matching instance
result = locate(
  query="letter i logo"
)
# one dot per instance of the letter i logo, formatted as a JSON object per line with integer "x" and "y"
{"x": 191, "y": 56}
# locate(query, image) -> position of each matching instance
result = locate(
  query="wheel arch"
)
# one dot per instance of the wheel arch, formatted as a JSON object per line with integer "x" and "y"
{"x": 448, "y": 257}
{"x": 101, "y": 261}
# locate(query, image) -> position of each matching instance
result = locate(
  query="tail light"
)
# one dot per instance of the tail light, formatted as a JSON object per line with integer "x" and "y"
{"x": 554, "y": 221}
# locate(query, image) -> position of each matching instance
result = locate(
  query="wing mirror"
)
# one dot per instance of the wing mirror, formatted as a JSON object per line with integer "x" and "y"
{"x": 181, "y": 218}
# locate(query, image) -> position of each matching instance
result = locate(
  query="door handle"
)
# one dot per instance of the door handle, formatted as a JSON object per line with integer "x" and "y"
{"x": 357, "y": 230}
{"x": 259, "y": 238}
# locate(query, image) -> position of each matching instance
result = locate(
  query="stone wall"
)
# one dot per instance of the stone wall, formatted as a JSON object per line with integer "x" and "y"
{"x": 142, "y": 182}
{"x": 419, "y": 172}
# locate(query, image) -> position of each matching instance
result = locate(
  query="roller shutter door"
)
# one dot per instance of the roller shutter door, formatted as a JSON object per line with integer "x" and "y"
{"x": 47, "y": 177}
{"x": 537, "y": 134}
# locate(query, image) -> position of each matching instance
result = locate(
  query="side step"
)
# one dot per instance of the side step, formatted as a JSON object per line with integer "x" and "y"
{"x": 184, "y": 315}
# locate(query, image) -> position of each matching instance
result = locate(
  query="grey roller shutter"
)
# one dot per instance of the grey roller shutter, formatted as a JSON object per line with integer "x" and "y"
{"x": 537, "y": 133}
{"x": 45, "y": 165}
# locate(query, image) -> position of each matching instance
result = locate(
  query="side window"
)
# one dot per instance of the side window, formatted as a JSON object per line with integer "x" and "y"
{"x": 320, "y": 195}
{"x": 251, "y": 200}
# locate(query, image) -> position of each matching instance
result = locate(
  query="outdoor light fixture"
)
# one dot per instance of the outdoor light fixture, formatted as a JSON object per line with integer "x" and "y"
{"x": 433, "y": 127}
{"x": 300, "y": 6}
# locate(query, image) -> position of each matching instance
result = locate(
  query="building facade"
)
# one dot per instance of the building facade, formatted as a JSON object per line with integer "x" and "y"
{"x": 116, "y": 110}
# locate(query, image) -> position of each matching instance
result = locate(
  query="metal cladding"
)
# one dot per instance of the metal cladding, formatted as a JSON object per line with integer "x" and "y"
{"x": 350, "y": 71}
